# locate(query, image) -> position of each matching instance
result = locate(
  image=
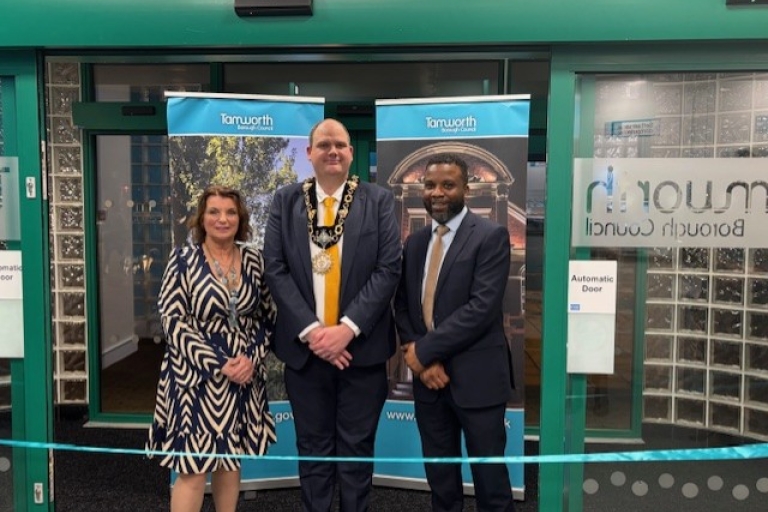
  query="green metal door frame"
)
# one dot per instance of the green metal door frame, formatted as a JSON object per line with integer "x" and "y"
{"x": 31, "y": 391}
{"x": 563, "y": 432}
{"x": 93, "y": 315}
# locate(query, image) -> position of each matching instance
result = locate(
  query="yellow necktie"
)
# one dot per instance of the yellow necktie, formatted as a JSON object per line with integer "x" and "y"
{"x": 433, "y": 270}
{"x": 333, "y": 276}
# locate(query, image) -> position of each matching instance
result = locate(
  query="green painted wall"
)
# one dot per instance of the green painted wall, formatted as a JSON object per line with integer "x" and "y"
{"x": 205, "y": 23}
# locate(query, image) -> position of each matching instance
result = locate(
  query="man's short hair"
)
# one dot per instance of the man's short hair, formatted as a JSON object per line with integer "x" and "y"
{"x": 450, "y": 159}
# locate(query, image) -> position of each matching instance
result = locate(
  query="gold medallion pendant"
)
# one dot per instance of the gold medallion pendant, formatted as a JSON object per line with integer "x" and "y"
{"x": 321, "y": 262}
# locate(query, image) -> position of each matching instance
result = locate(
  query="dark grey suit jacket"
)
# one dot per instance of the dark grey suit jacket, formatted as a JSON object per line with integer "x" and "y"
{"x": 370, "y": 270}
{"x": 469, "y": 334}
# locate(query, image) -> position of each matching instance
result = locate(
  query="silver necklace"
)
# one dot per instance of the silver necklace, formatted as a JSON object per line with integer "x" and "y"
{"x": 228, "y": 279}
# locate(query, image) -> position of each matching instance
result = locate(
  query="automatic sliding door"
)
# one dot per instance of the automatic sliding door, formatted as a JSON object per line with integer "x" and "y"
{"x": 133, "y": 205}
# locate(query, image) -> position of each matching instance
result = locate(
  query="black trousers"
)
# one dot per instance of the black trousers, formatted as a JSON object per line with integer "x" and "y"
{"x": 441, "y": 424}
{"x": 336, "y": 413}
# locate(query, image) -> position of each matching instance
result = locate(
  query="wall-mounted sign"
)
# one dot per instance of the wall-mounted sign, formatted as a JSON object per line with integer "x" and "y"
{"x": 9, "y": 199}
{"x": 11, "y": 305}
{"x": 633, "y": 128}
{"x": 746, "y": 2}
{"x": 591, "y": 317}
{"x": 666, "y": 202}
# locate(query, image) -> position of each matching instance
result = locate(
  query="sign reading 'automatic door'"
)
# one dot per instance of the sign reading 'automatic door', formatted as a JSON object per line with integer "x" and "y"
{"x": 591, "y": 316}
{"x": 663, "y": 202}
{"x": 11, "y": 305}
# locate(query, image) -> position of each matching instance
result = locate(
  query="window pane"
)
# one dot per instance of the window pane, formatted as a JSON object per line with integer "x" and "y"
{"x": 364, "y": 81}
{"x": 147, "y": 82}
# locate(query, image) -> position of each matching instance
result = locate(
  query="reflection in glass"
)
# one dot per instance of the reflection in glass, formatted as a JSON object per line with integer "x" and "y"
{"x": 657, "y": 407}
{"x": 726, "y": 353}
{"x": 691, "y": 318}
{"x": 757, "y": 325}
{"x": 693, "y": 350}
{"x": 694, "y": 258}
{"x": 658, "y": 347}
{"x": 661, "y": 258}
{"x": 726, "y": 385}
{"x": 72, "y": 276}
{"x": 693, "y": 288}
{"x": 725, "y": 416}
{"x": 659, "y": 316}
{"x": 759, "y": 261}
{"x": 661, "y": 286}
{"x": 691, "y": 380}
{"x": 365, "y": 81}
{"x": 757, "y": 390}
{"x": 757, "y": 357}
{"x": 756, "y": 421}
{"x": 71, "y": 247}
{"x": 658, "y": 377}
{"x": 690, "y": 411}
{"x": 758, "y": 292}
{"x": 729, "y": 259}
{"x": 729, "y": 290}
{"x": 134, "y": 240}
{"x": 705, "y": 328}
{"x": 727, "y": 322}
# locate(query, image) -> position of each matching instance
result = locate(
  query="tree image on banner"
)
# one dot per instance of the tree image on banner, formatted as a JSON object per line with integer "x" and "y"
{"x": 255, "y": 165}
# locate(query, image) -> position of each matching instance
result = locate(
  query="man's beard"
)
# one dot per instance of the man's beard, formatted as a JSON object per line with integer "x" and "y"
{"x": 453, "y": 208}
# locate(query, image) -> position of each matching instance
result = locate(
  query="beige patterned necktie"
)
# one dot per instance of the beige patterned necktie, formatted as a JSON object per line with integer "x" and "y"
{"x": 433, "y": 269}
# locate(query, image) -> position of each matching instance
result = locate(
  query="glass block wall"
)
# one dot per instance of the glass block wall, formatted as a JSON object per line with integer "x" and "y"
{"x": 707, "y": 339}
{"x": 706, "y": 325}
{"x": 152, "y": 228}
{"x": 63, "y": 87}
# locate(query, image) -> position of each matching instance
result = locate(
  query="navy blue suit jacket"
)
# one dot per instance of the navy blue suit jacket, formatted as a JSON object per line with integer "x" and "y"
{"x": 370, "y": 270}
{"x": 469, "y": 334}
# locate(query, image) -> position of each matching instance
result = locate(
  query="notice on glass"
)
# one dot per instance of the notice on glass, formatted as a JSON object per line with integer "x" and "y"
{"x": 9, "y": 199}
{"x": 11, "y": 305}
{"x": 591, "y": 317}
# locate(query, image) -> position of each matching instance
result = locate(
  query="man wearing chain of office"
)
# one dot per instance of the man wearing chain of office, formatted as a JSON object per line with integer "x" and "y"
{"x": 332, "y": 252}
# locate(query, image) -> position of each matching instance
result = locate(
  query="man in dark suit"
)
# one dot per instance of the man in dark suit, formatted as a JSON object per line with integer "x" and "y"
{"x": 448, "y": 310}
{"x": 332, "y": 252}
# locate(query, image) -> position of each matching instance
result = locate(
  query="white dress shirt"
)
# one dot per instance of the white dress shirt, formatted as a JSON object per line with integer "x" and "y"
{"x": 318, "y": 280}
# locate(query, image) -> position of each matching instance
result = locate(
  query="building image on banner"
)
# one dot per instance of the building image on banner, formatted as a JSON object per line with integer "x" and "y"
{"x": 497, "y": 191}
{"x": 491, "y": 135}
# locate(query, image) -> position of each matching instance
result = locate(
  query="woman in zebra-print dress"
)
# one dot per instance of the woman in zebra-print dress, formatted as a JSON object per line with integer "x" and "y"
{"x": 218, "y": 317}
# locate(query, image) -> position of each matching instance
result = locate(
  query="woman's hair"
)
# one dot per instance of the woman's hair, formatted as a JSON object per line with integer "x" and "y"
{"x": 196, "y": 221}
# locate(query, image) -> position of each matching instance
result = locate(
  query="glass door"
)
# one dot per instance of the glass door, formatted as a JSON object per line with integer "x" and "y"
{"x": 133, "y": 205}
{"x": 661, "y": 160}
{"x": 7, "y": 468}
{"x": 25, "y": 391}
{"x": 660, "y": 173}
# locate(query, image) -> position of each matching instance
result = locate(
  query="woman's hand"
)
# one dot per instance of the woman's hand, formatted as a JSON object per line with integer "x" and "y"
{"x": 238, "y": 370}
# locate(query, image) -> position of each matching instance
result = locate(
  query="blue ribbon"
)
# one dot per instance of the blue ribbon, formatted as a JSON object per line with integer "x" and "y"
{"x": 745, "y": 452}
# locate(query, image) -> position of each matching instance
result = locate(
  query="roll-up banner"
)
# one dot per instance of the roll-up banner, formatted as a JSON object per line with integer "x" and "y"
{"x": 491, "y": 134}
{"x": 255, "y": 144}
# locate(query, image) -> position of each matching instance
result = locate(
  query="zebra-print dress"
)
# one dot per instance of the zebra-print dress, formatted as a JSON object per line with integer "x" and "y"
{"x": 198, "y": 410}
